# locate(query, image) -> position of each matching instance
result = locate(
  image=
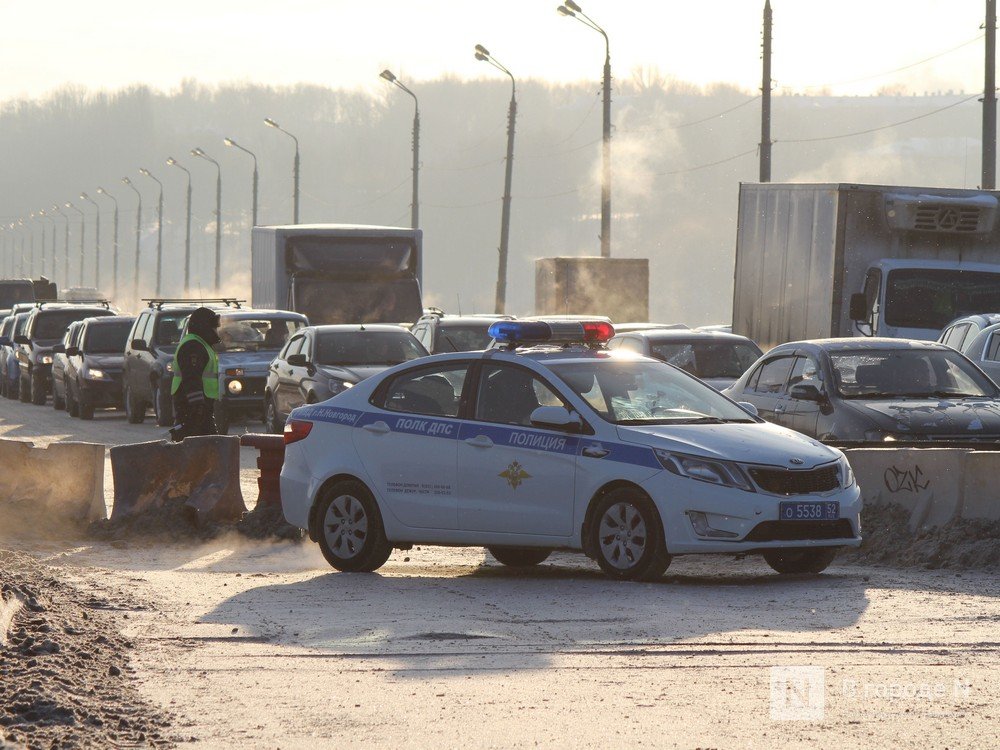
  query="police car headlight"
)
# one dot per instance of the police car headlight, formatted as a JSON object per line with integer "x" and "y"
{"x": 337, "y": 385}
{"x": 96, "y": 374}
{"x": 235, "y": 387}
{"x": 725, "y": 473}
{"x": 44, "y": 359}
{"x": 846, "y": 472}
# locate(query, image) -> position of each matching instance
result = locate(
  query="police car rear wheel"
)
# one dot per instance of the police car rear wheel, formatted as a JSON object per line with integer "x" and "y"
{"x": 792, "y": 561}
{"x": 351, "y": 535}
{"x": 627, "y": 537}
{"x": 520, "y": 557}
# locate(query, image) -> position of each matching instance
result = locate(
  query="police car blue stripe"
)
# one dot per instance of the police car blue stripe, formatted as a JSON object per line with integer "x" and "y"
{"x": 506, "y": 436}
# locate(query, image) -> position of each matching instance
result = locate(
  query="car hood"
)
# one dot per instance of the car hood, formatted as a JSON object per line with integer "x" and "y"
{"x": 353, "y": 374}
{"x": 752, "y": 443}
{"x": 106, "y": 360}
{"x": 247, "y": 360}
{"x": 933, "y": 416}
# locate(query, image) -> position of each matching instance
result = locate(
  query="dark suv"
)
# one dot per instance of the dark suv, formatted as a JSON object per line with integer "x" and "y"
{"x": 93, "y": 373}
{"x": 45, "y": 328}
{"x": 441, "y": 333}
{"x": 149, "y": 356}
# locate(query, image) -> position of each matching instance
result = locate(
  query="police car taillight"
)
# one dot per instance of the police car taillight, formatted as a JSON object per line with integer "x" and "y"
{"x": 297, "y": 429}
{"x": 551, "y": 332}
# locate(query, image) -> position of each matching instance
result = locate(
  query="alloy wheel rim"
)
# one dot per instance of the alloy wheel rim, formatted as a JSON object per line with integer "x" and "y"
{"x": 346, "y": 526}
{"x": 622, "y": 535}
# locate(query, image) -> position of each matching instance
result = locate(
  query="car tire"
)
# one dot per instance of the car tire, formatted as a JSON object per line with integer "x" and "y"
{"x": 800, "y": 561}
{"x": 520, "y": 557}
{"x": 39, "y": 392}
{"x": 271, "y": 420}
{"x": 135, "y": 412}
{"x": 350, "y": 533}
{"x": 72, "y": 408}
{"x": 85, "y": 407}
{"x": 163, "y": 407}
{"x": 58, "y": 403}
{"x": 24, "y": 390}
{"x": 221, "y": 418}
{"x": 626, "y": 535}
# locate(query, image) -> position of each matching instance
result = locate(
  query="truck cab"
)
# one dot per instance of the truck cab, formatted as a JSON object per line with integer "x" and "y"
{"x": 915, "y": 299}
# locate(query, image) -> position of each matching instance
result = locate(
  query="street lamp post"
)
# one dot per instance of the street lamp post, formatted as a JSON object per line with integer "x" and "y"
{"x": 97, "y": 240}
{"x": 218, "y": 213}
{"x": 484, "y": 55}
{"x": 159, "y": 230}
{"x": 21, "y": 260}
{"x": 171, "y": 161}
{"x": 114, "y": 259}
{"x": 295, "y": 168}
{"x": 138, "y": 236}
{"x": 415, "y": 205}
{"x": 48, "y": 218}
{"x": 83, "y": 230}
{"x": 31, "y": 233}
{"x": 572, "y": 10}
{"x": 65, "y": 280}
{"x": 253, "y": 214}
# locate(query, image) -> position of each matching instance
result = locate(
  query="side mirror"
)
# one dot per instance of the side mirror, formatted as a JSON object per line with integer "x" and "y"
{"x": 139, "y": 345}
{"x": 298, "y": 360}
{"x": 22, "y": 339}
{"x": 860, "y": 313}
{"x": 58, "y": 348}
{"x": 556, "y": 418}
{"x": 806, "y": 392}
{"x": 748, "y": 407}
{"x": 72, "y": 351}
{"x": 5, "y": 341}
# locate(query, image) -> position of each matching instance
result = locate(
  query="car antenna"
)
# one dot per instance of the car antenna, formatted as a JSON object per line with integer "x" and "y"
{"x": 459, "y": 297}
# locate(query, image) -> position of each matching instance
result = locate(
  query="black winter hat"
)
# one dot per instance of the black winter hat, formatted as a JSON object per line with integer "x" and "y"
{"x": 203, "y": 323}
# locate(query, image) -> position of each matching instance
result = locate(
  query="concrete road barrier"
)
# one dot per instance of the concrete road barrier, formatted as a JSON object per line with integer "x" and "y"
{"x": 198, "y": 473}
{"x": 60, "y": 485}
{"x": 935, "y": 484}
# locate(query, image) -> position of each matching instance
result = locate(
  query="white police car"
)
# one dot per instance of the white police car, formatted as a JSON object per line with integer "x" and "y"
{"x": 550, "y": 442}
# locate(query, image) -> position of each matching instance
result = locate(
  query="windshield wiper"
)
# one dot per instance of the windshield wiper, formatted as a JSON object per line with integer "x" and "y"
{"x": 675, "y": 420}
{"x": 959, "y": 394}
{"x": 876, "y": 394}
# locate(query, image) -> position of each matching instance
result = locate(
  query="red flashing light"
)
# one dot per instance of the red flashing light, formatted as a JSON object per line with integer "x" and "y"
{"x": 597, "y": 332}
{"x": 296, "y": 430}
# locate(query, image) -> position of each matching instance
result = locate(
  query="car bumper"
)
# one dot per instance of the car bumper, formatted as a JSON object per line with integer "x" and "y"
{"x": 749, "y": 520}
{"x": 103, "y": 391}
{"x": 297, "y": 487}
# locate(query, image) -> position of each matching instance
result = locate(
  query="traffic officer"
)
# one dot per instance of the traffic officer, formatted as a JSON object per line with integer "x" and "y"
{"x": 195, "y": 387}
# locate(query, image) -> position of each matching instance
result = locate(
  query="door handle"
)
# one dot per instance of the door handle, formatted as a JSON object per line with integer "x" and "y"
{"x": 480, "y": 441}
{"x": 595, "y": 452}
{"x": 379, "y": 428}
{"x": 778, "y": 409}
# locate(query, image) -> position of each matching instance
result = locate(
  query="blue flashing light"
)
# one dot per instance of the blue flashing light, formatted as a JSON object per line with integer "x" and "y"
{"x": 508, "y": 331}
{"x": 536, "y": 332}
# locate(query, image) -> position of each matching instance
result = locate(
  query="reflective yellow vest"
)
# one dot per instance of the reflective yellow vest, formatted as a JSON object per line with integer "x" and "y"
{"x": 210, "y": 376}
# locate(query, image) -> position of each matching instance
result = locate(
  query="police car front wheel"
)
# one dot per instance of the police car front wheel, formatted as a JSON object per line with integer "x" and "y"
{"x": 627, "y": 536}
{"x": 800, "y": 561}
{"x": 351, "y": 535}
{"x": 520, "y": 557}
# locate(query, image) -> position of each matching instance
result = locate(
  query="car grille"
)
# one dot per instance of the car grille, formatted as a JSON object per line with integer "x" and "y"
{"x": 793, "y": 531}
{"x": 790, "y": 482}
{"x": 253, "y": 386}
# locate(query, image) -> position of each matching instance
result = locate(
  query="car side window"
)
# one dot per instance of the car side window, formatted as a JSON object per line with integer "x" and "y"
{"x": 993, "y": 348}
{"x": 508, "y": 394}
{"x": 422, "y": 334}
{"x": 430, "y": 391}
{"x": 955, "y": 335}
{"x": 772, "y": 375}
{"x": 970, "y": 333}
{"x": 805, "y": 370}
{"x": 294, "y": 346}
{"x": 142, "y": 327}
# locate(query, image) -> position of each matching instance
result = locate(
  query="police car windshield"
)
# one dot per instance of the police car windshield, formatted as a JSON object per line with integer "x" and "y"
{"x": 636, "y": 392}
{"x": 352, "y": 348}
{"x": 107, "y": 338}
{"x": 255, "y": 335}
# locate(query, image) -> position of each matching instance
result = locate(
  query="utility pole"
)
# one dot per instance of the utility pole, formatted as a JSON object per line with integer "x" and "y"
{"x": 990, "y": 100}
{"x": 765, "y": 101}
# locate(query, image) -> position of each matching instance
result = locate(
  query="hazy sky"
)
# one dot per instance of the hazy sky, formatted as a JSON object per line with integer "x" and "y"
{"x": 345, "y": 43}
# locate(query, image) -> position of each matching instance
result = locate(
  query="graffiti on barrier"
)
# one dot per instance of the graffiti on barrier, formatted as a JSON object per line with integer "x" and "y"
{"x": 905, "y": 480}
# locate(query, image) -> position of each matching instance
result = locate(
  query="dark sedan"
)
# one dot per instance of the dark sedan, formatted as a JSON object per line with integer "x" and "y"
{"x": 872, "y": 389}
{"x": 319, "y": 362}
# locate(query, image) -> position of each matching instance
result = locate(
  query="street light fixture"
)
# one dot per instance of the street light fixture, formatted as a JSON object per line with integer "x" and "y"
{"x": 483, "y": 55}
{"x": 83, "y": 228}
{"x": 114, "y": 259}
{"x": 97, "y": 242}
{"x": 31, "y": 234}
{"x": 253, "y": 217}
{"x": 572, "y": 10}
{"x": 171, "y": 161}
{"x": 218, "y": 214}
{"x": 415, "y": 205}
{"x": 159, "y": 229}
{"x": 138, "y": 236}
{"x": 295, "y": 168}
{"x": 48, "y": 217}
{"x": 65, "y": 280}
{"x": 21, "y": 259}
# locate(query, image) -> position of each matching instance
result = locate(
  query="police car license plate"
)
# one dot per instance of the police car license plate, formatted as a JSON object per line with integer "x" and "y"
{"x": 800, "y": 510}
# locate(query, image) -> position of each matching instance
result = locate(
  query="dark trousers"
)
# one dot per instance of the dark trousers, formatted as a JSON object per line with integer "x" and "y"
{"x": 193, "y": 420}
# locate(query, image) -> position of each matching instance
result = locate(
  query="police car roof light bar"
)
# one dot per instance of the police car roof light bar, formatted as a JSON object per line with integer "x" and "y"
{"x": 515, "y": 332}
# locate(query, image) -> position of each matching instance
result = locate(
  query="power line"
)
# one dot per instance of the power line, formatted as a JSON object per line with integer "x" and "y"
{"x": 734, "y": 157}
{"x": 691, "y": 122}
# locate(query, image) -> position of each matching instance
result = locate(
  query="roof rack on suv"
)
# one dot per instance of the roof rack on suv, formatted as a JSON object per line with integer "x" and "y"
{"x": 159, "y": 302}
{"x": 435, "y": 311}
{"x": 106, "y": 304}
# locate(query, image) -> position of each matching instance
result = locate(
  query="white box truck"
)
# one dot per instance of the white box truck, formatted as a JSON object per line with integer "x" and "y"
{"x": 338, "y": 273}
{"x": 828, "y": 260}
